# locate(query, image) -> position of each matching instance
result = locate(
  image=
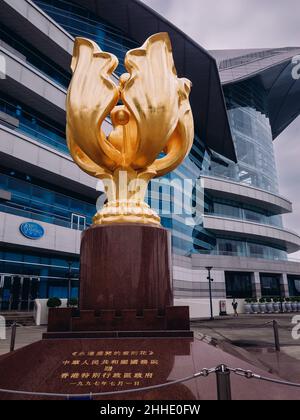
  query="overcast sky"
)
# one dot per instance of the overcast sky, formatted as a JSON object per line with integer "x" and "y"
{"x": 229, "y": 24}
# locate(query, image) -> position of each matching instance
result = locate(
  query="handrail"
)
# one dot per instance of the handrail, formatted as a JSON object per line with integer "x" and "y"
{"x": 204, "y": 373}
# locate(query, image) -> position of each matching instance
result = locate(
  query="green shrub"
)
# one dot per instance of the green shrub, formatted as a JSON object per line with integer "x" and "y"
{"x": 262, "y": 300}
{"x": 54, "y": 302}
{"x": 73, "y": 302}
{"x": 269, "y": 300}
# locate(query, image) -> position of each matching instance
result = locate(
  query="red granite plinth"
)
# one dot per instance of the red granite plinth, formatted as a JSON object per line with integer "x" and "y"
{"x": 68, "y": 320}
{"x": 125, "y": 267}
{"x": 125, "y": 283}
{"x": 84, "y": 366}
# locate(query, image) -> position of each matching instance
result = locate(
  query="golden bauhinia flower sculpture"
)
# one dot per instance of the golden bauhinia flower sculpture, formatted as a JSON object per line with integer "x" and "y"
{"x": 153, "y": 127}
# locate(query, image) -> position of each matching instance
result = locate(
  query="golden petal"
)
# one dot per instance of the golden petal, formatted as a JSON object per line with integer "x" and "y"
{"x": 181, "y": 141}
{"x": 91, "y": 97}
{"x": 151, "y": 94}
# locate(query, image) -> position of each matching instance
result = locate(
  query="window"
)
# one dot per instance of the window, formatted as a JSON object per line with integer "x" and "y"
{"x": 270, "y": 285}
{"x": 251, "y": 129}
{"x": 294, "y": 285}
{"x": 227, "y": 210}
{"x": 238, "y": 285}
{"x": 51, "y": 270}
{"x": 231, "y": 247}
{"x": 239, "y": 210}
{"x": 257, "y": 251}
{"x": 78, "y": 222}
{"x": 245, "y": 151}
{"x": 33, "y": 124}
{"x": 254, "y": 216}
{"x": 79, "y": 21}
{"x": 34, "y": 57}
{"x": 45, "y": 204}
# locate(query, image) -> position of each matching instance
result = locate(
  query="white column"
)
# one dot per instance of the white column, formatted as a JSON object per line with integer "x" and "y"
{"x": 256, "y": 285}
{"x": 284, "y": 285}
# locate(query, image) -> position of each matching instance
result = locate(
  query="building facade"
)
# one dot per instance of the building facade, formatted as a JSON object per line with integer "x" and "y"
{"x": 242, "y": 101}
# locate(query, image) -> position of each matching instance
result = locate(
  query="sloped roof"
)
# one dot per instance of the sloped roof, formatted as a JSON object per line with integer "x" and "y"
{"x": 138, "y": 22}
{"x": 273, "y": 68}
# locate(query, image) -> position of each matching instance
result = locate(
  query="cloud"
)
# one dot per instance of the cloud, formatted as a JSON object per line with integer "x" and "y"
{"x": 231, "y": 24}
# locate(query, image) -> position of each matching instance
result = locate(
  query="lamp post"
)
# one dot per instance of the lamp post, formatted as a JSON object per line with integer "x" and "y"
{"x": 210, "y": 280}
{"x": 69, "y": 281}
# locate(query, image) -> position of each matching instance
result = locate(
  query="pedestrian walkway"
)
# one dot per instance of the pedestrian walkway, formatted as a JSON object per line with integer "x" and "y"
{"x": 252, "y": 338}
{"x": 249, "y": 330}
{"x": 24, "y": 337}
{"x": 249, "y": 337}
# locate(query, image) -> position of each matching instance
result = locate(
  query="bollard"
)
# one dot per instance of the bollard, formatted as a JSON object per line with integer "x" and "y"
{"x": 13, "y": 336}
{"x": 276, "y": 335}
{"x": 223, "y": 383}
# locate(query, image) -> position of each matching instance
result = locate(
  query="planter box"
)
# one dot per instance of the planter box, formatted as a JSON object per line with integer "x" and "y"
{"x": 248, "y": 308}
{"x": 41, "y": 310}
{"x": 287, "y": 306}
{"x": 294, "y": 307}
{"x": 262, "y": 308}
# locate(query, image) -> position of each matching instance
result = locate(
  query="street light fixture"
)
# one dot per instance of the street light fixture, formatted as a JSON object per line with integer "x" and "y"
{"x": 210, "y": 280}
{"x": 69, "y": 282}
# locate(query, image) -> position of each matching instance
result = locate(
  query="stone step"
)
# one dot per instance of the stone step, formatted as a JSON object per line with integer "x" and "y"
{"x": 22, "y": 318}
{"x": 21, "y": 323}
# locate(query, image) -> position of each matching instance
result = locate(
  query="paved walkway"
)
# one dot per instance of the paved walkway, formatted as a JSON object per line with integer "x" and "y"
{"x": 255, "y": 335}
{"x": 248, "y": 331}
{"x": 249, "y": 337}
{"x": 24, "y": 337}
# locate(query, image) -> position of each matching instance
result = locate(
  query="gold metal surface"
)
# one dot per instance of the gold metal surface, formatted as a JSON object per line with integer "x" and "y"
{"x": 150, "y": 114}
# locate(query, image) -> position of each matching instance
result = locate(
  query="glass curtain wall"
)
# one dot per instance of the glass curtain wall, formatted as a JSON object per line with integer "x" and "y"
{"x": 238, "y": 285}
{"x": 31, "y": 199}
{"x": 246, "y": 103}
{"x": 52, "y": 272}
{"x": 16, "y": 45}
{"x": 252, "y": 134}
{"x": 29, "y": 122}
{"x": 79, "y": 21}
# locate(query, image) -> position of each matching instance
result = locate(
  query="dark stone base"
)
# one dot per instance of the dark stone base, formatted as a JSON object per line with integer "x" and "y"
{"x": 125, "y": 267}
{"x": 125, "y": 284}
{"x": 84, "y": 366}
{"x": 70, "y": 320}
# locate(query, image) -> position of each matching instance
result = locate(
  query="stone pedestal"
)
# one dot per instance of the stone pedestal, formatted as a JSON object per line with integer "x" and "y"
{"x": 125, "y": 267}
{"x": 125, "y": 284}
{"x": 126, "y": 335}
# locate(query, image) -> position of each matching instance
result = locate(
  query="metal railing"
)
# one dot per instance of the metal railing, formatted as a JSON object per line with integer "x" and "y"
{"x": 223, "y": 385}
{"x": 223, "y": 376}
{"x": 247, "y": 255}
{"x": 42, "y": 216}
